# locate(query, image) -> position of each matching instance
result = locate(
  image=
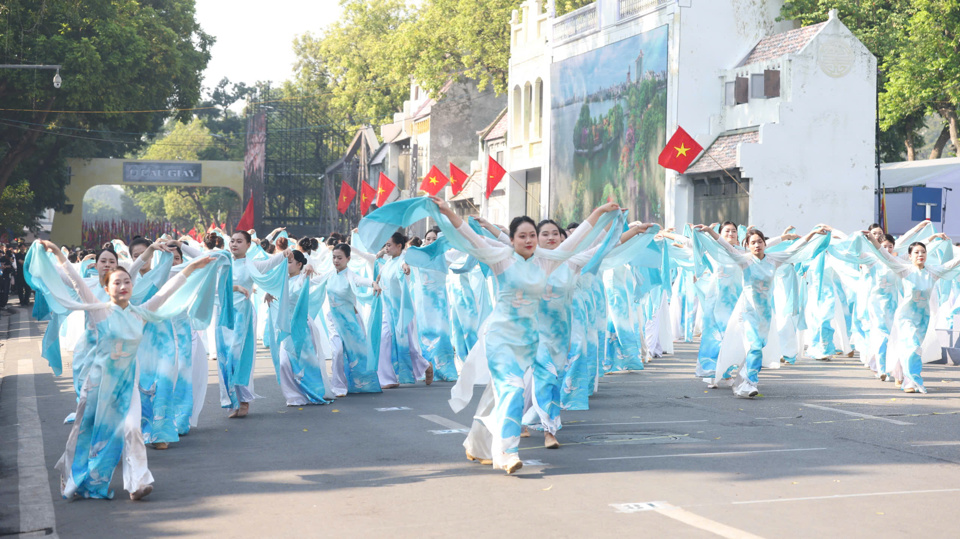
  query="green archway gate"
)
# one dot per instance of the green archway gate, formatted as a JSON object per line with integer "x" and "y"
{"x": 86, "y": 173}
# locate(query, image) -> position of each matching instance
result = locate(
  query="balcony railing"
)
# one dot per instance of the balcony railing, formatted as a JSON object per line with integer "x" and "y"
{"x": 630, "y": 8}
{"x": 576, "y": 23}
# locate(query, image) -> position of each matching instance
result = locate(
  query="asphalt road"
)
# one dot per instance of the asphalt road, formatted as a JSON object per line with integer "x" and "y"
{"x": 827, "y": 451}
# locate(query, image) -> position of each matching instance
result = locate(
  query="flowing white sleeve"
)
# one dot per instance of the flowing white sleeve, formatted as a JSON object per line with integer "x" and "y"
{"x": 481, "y": 242}
{"x": 161, "y": 296}
{"x": 190, "y": 250}
{"x": 71, "y": 277}
{"x": 265, "y": 265}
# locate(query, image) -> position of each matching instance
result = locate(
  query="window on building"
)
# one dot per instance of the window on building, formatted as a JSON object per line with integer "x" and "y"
{"x": 538, "y": 126}
{"x": 756, "y": 87}
{"x": 517, "y": 115}
{"x": 742, "y": 90}
{"x": 527, "y": 110}
{"x": 771, "y": 83}
{"x": 729, "y": 94}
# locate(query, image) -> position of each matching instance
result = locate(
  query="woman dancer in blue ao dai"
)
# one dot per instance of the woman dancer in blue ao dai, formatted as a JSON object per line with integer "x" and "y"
{"x": 433, "y": 317}
{"x": 753, "y": 316}
{"x": 300, "y": 357}
{"x": 912, "y": 342}
{"x": 400, "y": 359}
{"x": 354, "y": 358}
{"x": 108, "y": 425}
{"x": 511, "y": 338}
{"x": 236, "y": 347}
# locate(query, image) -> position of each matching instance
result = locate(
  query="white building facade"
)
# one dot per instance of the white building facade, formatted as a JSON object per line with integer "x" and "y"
{"x": 786, "y": 115}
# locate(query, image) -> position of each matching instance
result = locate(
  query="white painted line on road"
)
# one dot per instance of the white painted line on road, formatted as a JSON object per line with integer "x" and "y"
{"x": 444, "y": 422}
{"x": 686, "y": 517}
{"x": 534, "y": 462}
{"x": 856, "y": 414}
{"x": 783, "y": 417}
{"x": 636, "y": 507}
{"x": 36, "y": 502}
{"x": 392, "y": 409}
{"x": 863, "y": 495}
{"x": 451, "y": 431}
{"x": 718, "y": 454}
{"x": 568, "y": 425}
{"x": 703, "y": 523}
{"x": 934, "y": 444}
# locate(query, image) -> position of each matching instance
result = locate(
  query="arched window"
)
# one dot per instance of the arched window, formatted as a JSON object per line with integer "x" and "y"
{"x": 517, "y": 115}
{"x": 538, "y": 109}
{"x": 527, "y": 110}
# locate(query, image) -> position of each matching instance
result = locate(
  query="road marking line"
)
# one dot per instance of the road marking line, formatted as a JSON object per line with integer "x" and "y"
{"x": 35, "y": 500}
{"x": 686, "y": 517}
{"x": 718, "y": 454}
{"x": 568, "y": 425}
{"x": 451, "y": 431}
{"x": 863, "y": 495}
{"x": 444, "y": 422}
{"x": 704, "y": 523}
{"x": 934, "y": 444}
{"x": 856, "y": 414}
{"x": 392, "y": 409}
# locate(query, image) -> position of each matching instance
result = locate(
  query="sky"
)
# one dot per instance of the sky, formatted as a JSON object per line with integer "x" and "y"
{"x": 607, "y": 66}
{"x": 255, "y": 37}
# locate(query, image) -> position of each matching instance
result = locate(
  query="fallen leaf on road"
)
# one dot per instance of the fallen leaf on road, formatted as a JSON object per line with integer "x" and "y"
{"x": 304, "y": 430}
{"x": 335, "y": 411}
{"x": 299, "y": 408}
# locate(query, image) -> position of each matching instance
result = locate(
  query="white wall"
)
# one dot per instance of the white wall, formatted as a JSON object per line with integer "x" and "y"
{"x": 817, "y": 164}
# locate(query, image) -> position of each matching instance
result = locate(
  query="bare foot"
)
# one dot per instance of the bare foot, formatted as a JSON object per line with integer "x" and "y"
{"x": 141, "y": 493}
{"x": 485, "y": 462}
{"x": 244, "y": 409}
{"x": 161, "y": 446}
{"x": 234, "y": 413}
{"x": 524, "y": 432}
{"x": 428, "y": 376}
{"x": 550, "y": 441}
{"x": 390, "y": 386}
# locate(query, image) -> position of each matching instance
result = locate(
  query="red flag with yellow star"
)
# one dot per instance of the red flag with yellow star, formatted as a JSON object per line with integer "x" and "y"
{"x": 434, "y": 181}
{"x": 458, "y": 179}
{"x": 367, "y": 195}
{"x": 495, "y": 173}
{"x": 680, "y": 151}
{"x": 385, "y": 188}
{"x": 347, "y": 194}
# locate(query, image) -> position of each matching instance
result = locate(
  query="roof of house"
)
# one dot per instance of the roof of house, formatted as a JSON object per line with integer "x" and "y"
{"x": 722, "y": 154}
{"x": 777, "y": 45}
{"x": 499, "y": 128}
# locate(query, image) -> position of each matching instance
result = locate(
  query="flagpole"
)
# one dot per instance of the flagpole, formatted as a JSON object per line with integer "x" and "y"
{"x": 725, "y": 171}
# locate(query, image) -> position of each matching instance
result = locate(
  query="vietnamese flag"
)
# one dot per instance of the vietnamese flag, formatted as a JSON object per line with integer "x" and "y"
{"x": 367, "y": 194}
{"x": 434, "y": 181}
{"x": 246, "y": 220}
{"x": 680, "y": 151}
{"x": 384, "y": 189}
{"x": 347, "y": 194}
{"x": 495, "y": 173}
{"x": 458, "y": 179}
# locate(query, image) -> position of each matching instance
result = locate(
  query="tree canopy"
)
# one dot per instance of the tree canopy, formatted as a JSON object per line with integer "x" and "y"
{"x": 127, "y": 66}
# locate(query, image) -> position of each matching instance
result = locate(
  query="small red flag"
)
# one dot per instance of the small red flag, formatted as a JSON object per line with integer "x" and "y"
{"x": 193, "y": 233}
{"x": 680, "y": 151}
{"x": 367, "y": 194}
{"x": 246, "y": 220}
{"x": 434, "y": 181}
{"x": 458, "y": 179}
{"x": 495, "y": 173}
{"x": 347, "y": 194}
{"x": 384, "y": 190}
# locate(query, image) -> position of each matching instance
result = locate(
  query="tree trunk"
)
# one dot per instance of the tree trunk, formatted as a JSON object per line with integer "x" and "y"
{"x": 911, "y": 150}
{"x": 193, "y": 195}
{"x": 950, "y": 114}
{"x": 940, "y": 143}
{"x": 24, "y": 149}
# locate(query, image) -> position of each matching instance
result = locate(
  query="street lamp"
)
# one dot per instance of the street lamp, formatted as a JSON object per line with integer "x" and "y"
{"x": 57, "y": 81}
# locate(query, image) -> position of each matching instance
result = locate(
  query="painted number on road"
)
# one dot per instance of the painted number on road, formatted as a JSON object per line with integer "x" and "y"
{"x": 637, "y": 507}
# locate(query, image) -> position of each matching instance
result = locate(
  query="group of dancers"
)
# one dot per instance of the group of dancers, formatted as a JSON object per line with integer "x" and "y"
{"x": 537, "y": 312}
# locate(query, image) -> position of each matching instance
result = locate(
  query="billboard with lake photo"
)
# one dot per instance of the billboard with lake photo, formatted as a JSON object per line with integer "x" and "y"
{"x": 609, "y": 110}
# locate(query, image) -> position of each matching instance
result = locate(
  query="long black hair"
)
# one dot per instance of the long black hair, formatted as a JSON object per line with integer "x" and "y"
{"x": 517, "y": 221}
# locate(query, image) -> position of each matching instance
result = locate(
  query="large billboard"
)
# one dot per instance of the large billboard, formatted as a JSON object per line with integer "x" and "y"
{"x": 609, "y": 110}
